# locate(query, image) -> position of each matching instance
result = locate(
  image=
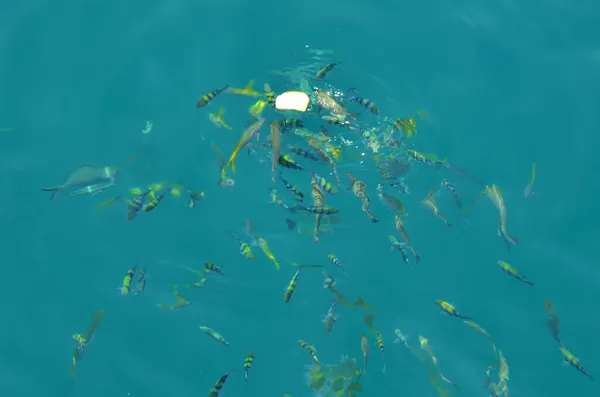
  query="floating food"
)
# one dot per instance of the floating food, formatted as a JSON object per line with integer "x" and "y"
{"x": 292, "y": 100}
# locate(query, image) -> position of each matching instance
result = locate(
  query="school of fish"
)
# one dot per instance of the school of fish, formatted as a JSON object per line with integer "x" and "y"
{"x": 306, "y": 170}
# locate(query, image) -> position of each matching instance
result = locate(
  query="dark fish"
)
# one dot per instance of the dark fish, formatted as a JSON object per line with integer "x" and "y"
{"x": 291, "y": 224}
{"x": 86, "y": 175}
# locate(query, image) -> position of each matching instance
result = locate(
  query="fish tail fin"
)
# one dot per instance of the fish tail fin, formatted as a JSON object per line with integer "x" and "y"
{"x": 249, "y": 85}
{"x": 54, "y": 191}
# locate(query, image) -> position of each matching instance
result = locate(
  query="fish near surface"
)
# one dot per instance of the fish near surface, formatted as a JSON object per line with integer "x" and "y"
{"x": 86, "y": 175}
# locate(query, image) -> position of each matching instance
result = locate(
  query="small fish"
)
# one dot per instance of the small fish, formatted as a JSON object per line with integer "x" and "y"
{"x": 215, "y": 335}
{"x": 358, "y": 189}
{"x": 430, "y": 203}
{"x": 270, "y": 95}
{"x": 402, "y": 231}
{"x": 291, "y": 224}
{"x": 299, "y": 195}
{"x": 126, "y": 287}
{"x": 329, "y": 319}
{"x": 205, "y": 99}
{"x": 289, "y": 291}
{"x": 211, "y": 267}
{"x": 570, "y": 358}
{"x": 508, "y": 269}
{"x": 392, "y": 203}
{"x": 328, "y": 281}
{"x": 217, "y": 119}
{"x": 250, "y": 132}
{"x": 141, "y": 283}
{"x": 367, "y": 103}
{"x": 328, "y": 68}
{"x": 318, "y": 210}
{"x": 248, "y": 90}
{"x": 263, "y": 245}
{"x": 336, "y": 120}
{"x": 154, "y": 203}
{"x": 194, "y": 197}
{"x": 395, "y": 244}
{"x": 425, "y": 346}
{"x": 248, "y": 361}
{"x": 287, "y": 162}
{"x": 364, "y": 346}
{"x": 407, "y": 125}
{"x": 219, "y": 385}
{"x": 323, "y": 184}
{"x": 400, "y": 338}
{"x": 310, "y": 349}
{"x": 276, "y": 144}
{"x": 224, "y": 181}
{"x": 451, "y": 310}
{"x": 291, "y": 123}
{"x": 180, "y": 302}
{"x": 336, "y": 262}
{"x": 135, "y": 205}
{"x": 146, "y": 130}
{"x": 304, "y": 153}
{"x": 495, "y": 195}
{"x": 452, "y": 191}
{"x": 381, "y": 347}
{"x": 529, "y": 188}
{"x": 245, "y": 249}
{"x": 81, "y": 341}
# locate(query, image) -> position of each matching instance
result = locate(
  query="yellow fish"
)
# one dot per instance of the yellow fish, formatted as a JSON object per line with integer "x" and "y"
{"x": 246, "y": 91}
{"x": 217, "y": 119}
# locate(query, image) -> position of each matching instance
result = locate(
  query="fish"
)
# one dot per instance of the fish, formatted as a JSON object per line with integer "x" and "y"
{"x": 334, "y": 259}
{"x": 358, "y": 189}
{"x": 126, "y": 287}
{"x": 141, "y": 283}
{"x": 211, "y": 267}
{"x": 215, "y": 335}
{"x": 85, "y": 175}
{"x": 430, "y": 203}
{"x": 400, "y": 338}
{"x": 219, "y": 385}
{"x": 248, "y": 361}
{"x": 257, "y": 109}
{"x": 82, "y": 340}
{"x": 395, "y": 244}
{"x": 245, "y": 249}
{"x": 276, "y": 144}
{"x": 329, "y": 319}
{"x": 451, "y": 310}
{"x": 529, "y": 188}
{"x": 381, "y": 347}
{"x": 263, "y": 245}
{"x": 425, "y": 346}
{"x": 494, "y": 194}
{"x": 570, "y": 358}
{"x": 367, "y": 103}
{"x": 224, "y": 181}
{"x": 250, "y": 132}
{"x": 91, "y": 190}
{"x": 452, "y": 191}
{"x": 402, "y": 231}
{"x": 328, "y": 68}
{"x": 364, "y": 346}
{"x": 299, "y": 195}
{"x": 508, "y": 269}
{"x": 248, "y": 90}
{"x": 180, "y": 301}
{"x": 205, "y": 99}
{"x": 146, "y": 130}
{"x": 217, "y": 119}
{"x": 193, "y": 197}
{"x": 325, "y": 101}
{"x": 310, "y": 349}
{"x": 270, "y": 95}
{"x": 392, "y": 203}
{"x": 289, "y": 291}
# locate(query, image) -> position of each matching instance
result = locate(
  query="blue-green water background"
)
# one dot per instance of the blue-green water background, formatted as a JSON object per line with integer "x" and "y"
{"x": 505, "y": 83}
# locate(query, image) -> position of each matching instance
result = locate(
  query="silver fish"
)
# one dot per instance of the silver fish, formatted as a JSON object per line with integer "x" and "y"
{"x": 92, "y": 190}
{"x": 86, "y": 175}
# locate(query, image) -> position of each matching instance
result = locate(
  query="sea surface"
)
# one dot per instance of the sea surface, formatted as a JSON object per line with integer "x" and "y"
{"x": 504, "y": 84}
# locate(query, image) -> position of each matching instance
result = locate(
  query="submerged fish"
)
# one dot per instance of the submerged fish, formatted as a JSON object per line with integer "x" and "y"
{"x": 92, "y": 190}
{"x": 86, "y": 175}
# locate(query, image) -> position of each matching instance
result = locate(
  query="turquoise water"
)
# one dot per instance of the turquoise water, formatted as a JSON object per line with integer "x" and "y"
{"x": 505, "y": 84}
